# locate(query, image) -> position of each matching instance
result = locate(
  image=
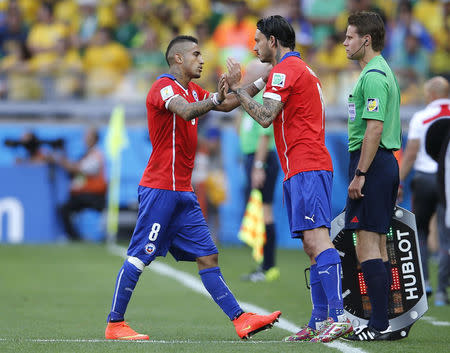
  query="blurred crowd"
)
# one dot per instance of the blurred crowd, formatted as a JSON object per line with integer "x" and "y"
{"x": 54, "y": 49}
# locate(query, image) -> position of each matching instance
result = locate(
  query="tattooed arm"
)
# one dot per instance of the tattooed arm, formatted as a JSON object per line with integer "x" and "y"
{"x": 254, "y": 71}
{"x": 264, "y": 114}
{"x": 231, "y": 100}
{"x": 189, "y": 111}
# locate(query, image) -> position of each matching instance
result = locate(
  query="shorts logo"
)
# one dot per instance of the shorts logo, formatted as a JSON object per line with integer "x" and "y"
{"x": 166, "y": 92}
{"x": 310, "y": 218}
{"x": 278, "y": 79}
{"x": 372, "y": 104}
{"x": 150, "y": 248}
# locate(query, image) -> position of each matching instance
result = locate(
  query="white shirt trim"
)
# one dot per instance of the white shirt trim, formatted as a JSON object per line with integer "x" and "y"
{"x": 184, "y": 89}
{"x": 173, "y": 150}
{"x": 285, "y": 143}
{"x": 168, "y": 101}
{"x": 272, "y": 95}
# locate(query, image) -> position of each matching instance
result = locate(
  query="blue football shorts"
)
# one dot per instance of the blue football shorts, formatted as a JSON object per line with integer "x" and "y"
{"x": 374, "y": 211}
{"x": 170, "y": 221}
{"x": 308, "y": 200}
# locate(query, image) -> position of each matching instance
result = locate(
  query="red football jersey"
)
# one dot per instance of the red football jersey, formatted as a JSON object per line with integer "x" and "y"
{"x": 299, "y": 128}
{"x": 173, "y": 139}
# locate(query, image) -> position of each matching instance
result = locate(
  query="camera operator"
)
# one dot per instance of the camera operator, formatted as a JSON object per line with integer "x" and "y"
{"x": 88, "y": 183}
{"x": 32, "y": 145}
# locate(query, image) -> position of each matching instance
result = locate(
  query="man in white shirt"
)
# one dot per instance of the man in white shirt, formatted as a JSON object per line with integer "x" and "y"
{"x": 424, "y": 185}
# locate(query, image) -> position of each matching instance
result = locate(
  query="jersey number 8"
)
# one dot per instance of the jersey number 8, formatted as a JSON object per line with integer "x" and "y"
{"x": 154, "y": 232}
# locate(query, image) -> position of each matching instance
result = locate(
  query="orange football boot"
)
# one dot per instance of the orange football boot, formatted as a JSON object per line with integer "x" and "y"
{"x": 121, "y": 331}
{"x": 249, "y": 323}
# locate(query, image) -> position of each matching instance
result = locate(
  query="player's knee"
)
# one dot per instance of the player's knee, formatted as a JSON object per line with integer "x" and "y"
{"x": 315, "y": 241}
{"x": 308, "y": 248}
{"x": 367, "y": 251}
{"x": 208, "y": 261}
{"x": 136, "y": 263}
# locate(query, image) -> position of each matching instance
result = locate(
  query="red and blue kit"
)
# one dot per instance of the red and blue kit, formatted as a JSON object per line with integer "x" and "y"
{"x": 300, "y": 126}
{"x": 173, "y": 139}
{"x": 299, "y": 131}
{"x": 170, "y": 218}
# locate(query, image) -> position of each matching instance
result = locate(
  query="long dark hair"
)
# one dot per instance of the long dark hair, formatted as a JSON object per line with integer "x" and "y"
{"x": 278, "y": 27}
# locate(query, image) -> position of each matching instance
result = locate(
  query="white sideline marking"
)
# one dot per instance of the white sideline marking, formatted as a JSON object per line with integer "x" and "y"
{"x": 38, "y": 340}
{"x": 196, "y": 285}
{"x": 434, "y": 322}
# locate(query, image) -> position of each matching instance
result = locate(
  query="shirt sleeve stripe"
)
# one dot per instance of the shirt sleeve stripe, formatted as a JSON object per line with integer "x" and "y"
{"x": 273, "y": 96}
{"x": 168, "y": 101}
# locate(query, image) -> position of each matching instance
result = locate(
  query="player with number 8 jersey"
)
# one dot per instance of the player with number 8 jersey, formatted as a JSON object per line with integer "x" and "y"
{"x": 169, "y": 217}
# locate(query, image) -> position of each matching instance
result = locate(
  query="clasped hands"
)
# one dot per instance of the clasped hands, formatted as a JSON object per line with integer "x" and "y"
{"x": 231, "y": 79}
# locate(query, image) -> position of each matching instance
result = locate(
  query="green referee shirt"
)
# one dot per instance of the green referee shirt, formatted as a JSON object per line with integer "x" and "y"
{"x": 375, "y": 96}
{"x": 250, "y": 132}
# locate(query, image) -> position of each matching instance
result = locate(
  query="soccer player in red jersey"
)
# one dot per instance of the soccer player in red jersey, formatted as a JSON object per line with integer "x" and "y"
{"x": 293, "y": 102}
{"x": 170, "y": 218}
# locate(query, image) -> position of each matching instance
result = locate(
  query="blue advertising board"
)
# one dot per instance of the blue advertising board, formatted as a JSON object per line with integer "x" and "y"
{"x": 29, "y": 195}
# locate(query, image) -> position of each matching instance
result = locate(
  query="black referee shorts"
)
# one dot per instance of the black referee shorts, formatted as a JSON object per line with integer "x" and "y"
{"x": 271, "y": 168}
{"x": 374, "y": 211}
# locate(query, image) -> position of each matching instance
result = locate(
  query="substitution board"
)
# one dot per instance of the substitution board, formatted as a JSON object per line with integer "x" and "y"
{"x": 407, "y": 297}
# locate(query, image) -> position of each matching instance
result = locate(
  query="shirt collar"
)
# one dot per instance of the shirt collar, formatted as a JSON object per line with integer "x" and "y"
{"x": 291, "y": 53}
{"x": 172, "y": 77}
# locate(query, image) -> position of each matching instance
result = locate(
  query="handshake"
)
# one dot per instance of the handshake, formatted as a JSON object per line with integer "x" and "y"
{"x": 256, "y": 73}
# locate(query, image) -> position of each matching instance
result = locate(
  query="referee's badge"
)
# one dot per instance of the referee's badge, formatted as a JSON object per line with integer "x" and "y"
{"x": 372, "y": 104}
{"x": 351, "y": 111}
{"x": 278, "y": 79}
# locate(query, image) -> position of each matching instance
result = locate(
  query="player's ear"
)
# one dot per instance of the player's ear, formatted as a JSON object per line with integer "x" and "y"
{"x": 178, "y": 58}
{"x": 272, "y": 41}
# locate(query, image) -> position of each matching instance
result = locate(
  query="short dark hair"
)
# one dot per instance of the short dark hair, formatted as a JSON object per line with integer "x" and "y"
{"x": 278, "y": 27}
{"x": 369, "y": 23}
{"x": 179, "y": 39}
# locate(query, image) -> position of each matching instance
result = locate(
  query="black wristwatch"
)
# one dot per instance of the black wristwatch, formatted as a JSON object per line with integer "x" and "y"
{"x": 358, "y": 172}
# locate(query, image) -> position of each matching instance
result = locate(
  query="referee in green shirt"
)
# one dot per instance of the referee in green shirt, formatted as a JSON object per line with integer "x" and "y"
{"x": 374, "y": 132}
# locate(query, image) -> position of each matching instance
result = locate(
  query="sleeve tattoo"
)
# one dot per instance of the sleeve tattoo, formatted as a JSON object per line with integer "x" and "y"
{"x": 232, "y": 100}
{"x": 189, "y": 111}
{"x": 264, "y": 114}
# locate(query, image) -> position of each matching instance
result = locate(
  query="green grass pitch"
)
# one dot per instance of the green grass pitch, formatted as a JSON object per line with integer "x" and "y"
{"x": 55, "y": 298}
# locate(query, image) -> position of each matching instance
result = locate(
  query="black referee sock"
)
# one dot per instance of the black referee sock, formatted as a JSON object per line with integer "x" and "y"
{"x": 376, "y": 279}
{"x": 388, "y": 267}
{"x": 269, "y": 247}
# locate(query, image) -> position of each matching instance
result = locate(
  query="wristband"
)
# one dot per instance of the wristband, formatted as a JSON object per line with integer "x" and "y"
{"x": 358, "y": 172}
{"x": 214, "y": 99}
{"x": 259, "y": 83}
{"x": 258, "y": 165}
